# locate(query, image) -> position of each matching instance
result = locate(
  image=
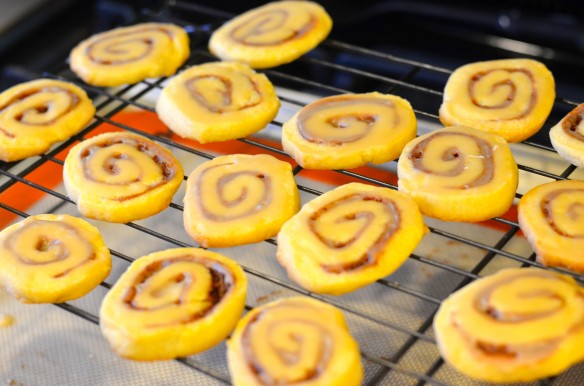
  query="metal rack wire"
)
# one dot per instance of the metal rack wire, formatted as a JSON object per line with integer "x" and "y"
{"x": 414, "y": 340}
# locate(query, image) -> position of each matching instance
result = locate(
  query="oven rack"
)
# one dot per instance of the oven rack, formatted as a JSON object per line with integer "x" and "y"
{"x": 380, "y": 365}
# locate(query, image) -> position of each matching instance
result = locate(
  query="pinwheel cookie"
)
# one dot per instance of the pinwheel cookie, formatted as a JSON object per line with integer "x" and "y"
{"x": 273, "y": 34}
{"x": 35, "y": 115}
{"x": 551, "y": 217}
{"x": 459, "y": 174}
{"x": 349, "y": 237}
{"x": 217, "y": 102}
{"x": 291, "y": 341}
{"x": 173, "y": 303}
{"x": 347, "y": 131}
{"x": 51, "y": 258}
{"x": 567, "y": 136}
{"x": 121, "y": 177}
{"x": 511, "y": 97}
{"x": 518, "y": 325}
{"x": 130, "y": 54}
{"x": 239, "y": 199}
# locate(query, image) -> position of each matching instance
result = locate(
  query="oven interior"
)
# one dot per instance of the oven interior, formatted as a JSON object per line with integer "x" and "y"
{"x": 404, "y": 48}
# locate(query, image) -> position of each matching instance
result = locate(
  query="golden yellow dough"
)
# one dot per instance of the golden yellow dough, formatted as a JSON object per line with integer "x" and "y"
{"x": 239, "y": 199}
{"x": 552, "y": 218}
{"x": 130, "y": 54}
{"x": 459, "y": 174}
{"x": 347, "y": 131}
{"x": 121, "y": 177}
{"x": 37, "y": 114}
{"x": 51, "y": 258}
{"x": 294, "y": 341}
{"x": 510, "y": 97}
{"x": 567, "y": 137}
{"x": 273, "y": 34}
{"x": 217, "y": 101}
{"x": 349, "y": 237}
{"x": 518, "y": 325}
{"x": 173, "y": 303}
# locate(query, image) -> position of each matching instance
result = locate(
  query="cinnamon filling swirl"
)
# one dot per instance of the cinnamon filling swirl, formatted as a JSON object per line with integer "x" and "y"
{"x": 123, "y": 46}
{"x": 320, "y": 123}
{"x": 49, "y": 242}
{"x": 41, "y": 113}
{"x": 453, "y": 153}
{"x": 291, "y": 357}
{"x": 573, "y": 211}
{"x": 550, "y": 303}
{"x": 369, "y": 258}
{"x": 223, "y": 89}
{"x": 571, "y": 123}
{"x": 117, "y": 168}
{"x": 160, "y": 286}
{"x": 508, "y": 84}
{"x": 270, "y": 28}
{"x": 245, "y": 196}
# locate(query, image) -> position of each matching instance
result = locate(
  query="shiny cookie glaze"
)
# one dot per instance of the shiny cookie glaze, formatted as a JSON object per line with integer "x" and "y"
{"x": 349, "y": 237}
{"x": 295, "y": 340}
{"x": 52, "y": 258}
{"x": 130, "y": 54}
{"x": 189, "y": 297}
{"x": 459, "y": 174}
{"x": 350, "y": 130}
{"x": 550, "y": 216}
{"x": 511, "y": 98}
{"x": 239, "y": 199}
{"x": 520, "y": 324}
{"x": 121, "y": 177}
{"x": 37, "y": 114}
{"x": 273, "y": 34}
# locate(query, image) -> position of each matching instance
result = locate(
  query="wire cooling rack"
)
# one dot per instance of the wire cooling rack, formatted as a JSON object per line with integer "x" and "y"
{"x": 392, "y": 318}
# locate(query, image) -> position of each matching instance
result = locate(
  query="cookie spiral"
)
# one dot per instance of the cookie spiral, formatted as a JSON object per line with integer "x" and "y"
{"x": 273, "y": 34}
{"x": 551, "y": 215}
{"x": 110, "y": 177}
{"x": 349, "y": 237}
{"x": 459, "y": 174}
{"x": 291, "y": 341}
{"x": 35, "y": 115}
{"x": 511, "y": 98}
{"x": 567, "y": 136}
{"x": 347, "y": 131}
{"x": 52, "y": 258}
{"x": 173, "y": 303}
{"x": 239, "y": 199}
{"x": 217, "y": 101}
{"x": 130, "y": 54}
{"x": 516, "y": 325}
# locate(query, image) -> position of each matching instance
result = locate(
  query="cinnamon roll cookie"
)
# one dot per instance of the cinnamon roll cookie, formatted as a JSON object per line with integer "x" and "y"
{"x": 349, "y": 237}
{"x": 217, "y": 101}
{"x": 173, "y": 303}
{"x": 273, "y": 34}
{"x": 51, "y": 258}
{"x": 239, "y": 199}
{"x": 551, "y": 217}
{"x": 567, "y": 137}
{"x": 511, "y": 97}
{"x": 459, "y": 174}
{"x": 347, "y": 131}
{"x": 130, "y": 54}
{"x": 121, "y": 177}
{"x": 37, "y": 114}
{"x": 291, "y": 341}
{"x": 517, "y": 325}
